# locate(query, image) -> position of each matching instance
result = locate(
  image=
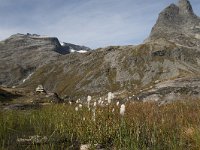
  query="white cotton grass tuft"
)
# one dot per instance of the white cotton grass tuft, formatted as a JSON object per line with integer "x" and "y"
{"x": 122, "y": 110}
{"x": 70, "y": 102}
{"x": 113, "y": 110}
{"x": 99, "y": 101}
{"x": 89, "y": 98}
{"x": 76, "y": 108}
{"x": 80, "y": 106}
{"x": 110, "y": 97}
{"x": 117, "y": 103}
{"x": 95, "y": 104}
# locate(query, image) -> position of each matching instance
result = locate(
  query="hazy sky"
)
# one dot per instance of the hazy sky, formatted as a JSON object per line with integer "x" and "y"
{"x": 94, "y": 23}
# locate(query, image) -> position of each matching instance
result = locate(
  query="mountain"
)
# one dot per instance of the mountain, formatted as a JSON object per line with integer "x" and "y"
{"x": 22, "y": 54}
{"x": 179, "y": 24}
{"x": 165, "y": 67}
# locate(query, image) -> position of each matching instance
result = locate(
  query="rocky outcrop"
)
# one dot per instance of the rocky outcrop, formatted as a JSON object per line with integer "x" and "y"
{"x": 185, "y": 7}
{"x": 178, "y": 23}
{"x": 171, "y": 90}
{"x": 6, "y": 96}
{"x": 40, "y": 89}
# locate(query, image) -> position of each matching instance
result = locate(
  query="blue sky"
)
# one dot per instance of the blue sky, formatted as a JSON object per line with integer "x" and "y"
{"x": 94, "y": 23}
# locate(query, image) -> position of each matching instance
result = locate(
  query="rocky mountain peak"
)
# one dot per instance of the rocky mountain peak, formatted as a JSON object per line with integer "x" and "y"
{"x": 185, "y": 7}
{"x": 178, "y": 23}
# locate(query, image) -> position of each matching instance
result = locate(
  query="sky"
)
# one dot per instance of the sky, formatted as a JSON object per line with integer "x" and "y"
{"x": 93, "y": 23}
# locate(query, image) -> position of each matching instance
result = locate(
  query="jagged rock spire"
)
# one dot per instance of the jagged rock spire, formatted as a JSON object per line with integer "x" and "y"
{"x": 185, "y": 7}
{"x": 177, "y": 22}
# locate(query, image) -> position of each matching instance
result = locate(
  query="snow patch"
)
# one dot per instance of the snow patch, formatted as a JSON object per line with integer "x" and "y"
{"x": 72, "y": 50}
{"x": 78, "y": 51}
{"x": 28, "y": 77}
{"x": 82, "y": 51}
{"x": 62, "y": 43}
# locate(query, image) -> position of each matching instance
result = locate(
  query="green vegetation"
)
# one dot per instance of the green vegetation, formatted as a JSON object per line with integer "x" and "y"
{"x": 144, "y": 126}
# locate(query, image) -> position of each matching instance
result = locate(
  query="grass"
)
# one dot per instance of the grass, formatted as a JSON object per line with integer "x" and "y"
{"x": 145, "y": 126}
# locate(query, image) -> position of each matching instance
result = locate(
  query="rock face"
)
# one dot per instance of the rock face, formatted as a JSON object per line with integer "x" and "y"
{"x": 170, "y": 53}
{"x": 178, "y": 23}
{"x": 21, "y": 55}
{"x": 171, "y": 90}
{"x": 6, "y": 96}
{"x": 185, "y": 7}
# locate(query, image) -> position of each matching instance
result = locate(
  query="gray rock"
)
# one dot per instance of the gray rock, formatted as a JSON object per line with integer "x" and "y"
{"x": 178, "y": 23}
{"x": 33, "y": 140}
{"x": 171, "y": 90}
{"x": 40, "y": 88}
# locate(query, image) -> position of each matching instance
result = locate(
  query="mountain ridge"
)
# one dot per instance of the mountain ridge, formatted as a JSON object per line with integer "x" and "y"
{"x": 22, "y": 54}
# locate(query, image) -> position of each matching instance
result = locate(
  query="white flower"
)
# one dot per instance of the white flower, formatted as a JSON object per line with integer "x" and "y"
{"x": 95, "y": 104}
{"x": 109, "y": 101}
{"x": 89, "y": 98}
{"x": 80, "y": 106}
{"x": 122, "y": 109}
{"x": 102, "y": 103}
{"x": 83, "y": 118}
{"x": 110, "y": 97}
{"x": 76, "y": 108}
{"x": 117, "y": 103}
{"x": 70, "y": 102}
{"x": 99, "y": 101}
{"x": 113, "y": 110}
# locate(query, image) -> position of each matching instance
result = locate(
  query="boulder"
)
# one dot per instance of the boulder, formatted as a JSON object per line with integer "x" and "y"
{"x": 40, "y": 89}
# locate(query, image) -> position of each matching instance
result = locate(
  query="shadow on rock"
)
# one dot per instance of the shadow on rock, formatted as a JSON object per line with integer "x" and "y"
{"x": 6, "y": 96}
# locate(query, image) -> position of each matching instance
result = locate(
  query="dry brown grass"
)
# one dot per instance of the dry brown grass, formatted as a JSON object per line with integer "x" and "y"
{"x": 144, "y": 126}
